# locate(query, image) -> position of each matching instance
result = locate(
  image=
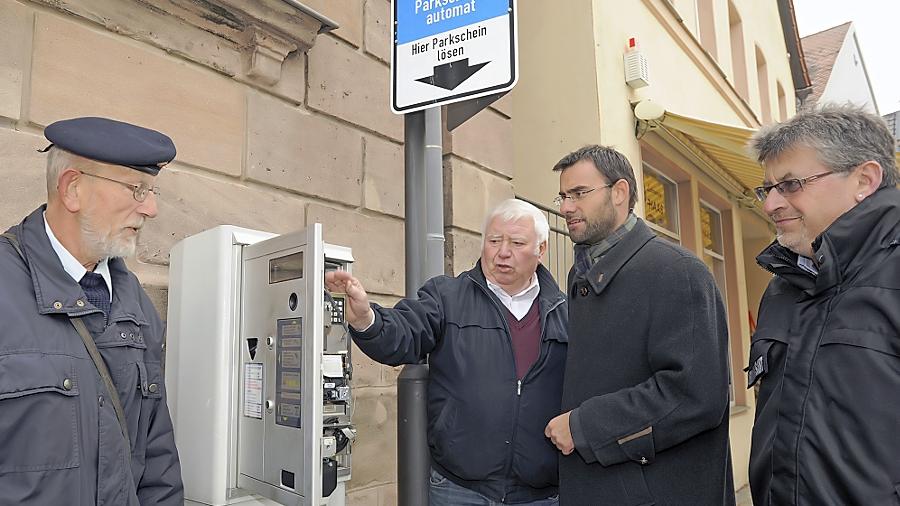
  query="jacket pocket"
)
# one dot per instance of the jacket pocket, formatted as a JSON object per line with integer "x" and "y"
{"x": 38, "y": 412}
{"x": 634, "y": 485}
{"x": 888, "y": 344}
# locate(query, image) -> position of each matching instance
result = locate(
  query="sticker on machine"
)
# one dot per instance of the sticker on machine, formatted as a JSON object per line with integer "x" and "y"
{"x": 253, "y": 390}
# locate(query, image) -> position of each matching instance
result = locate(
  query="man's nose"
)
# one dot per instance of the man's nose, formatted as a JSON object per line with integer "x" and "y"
{"x": 149, "y": 206}
{"x": 566, "y": 206}
{"x": 774, "y": 201}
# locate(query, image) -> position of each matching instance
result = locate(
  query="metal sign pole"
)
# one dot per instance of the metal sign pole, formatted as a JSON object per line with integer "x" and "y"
{"x": 424, "y": 195}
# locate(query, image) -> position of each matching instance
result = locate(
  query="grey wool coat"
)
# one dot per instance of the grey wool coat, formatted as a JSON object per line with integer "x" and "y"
{"x": 60, "y": 440}
{"x": 647, "y": 380}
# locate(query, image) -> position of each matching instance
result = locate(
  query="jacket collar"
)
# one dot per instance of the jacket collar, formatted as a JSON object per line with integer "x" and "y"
{"x": 549, "y": 295}
{"x": 845, "y": 247}
{"x": 608, "y": 266}
{"x": 54, "y": 289}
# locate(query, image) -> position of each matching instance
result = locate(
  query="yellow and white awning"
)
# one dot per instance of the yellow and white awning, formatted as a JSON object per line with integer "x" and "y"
{"x": 724, "y": 148}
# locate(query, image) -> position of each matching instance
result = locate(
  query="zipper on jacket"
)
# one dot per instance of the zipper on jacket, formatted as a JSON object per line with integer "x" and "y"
{"x": 512, "y": 441}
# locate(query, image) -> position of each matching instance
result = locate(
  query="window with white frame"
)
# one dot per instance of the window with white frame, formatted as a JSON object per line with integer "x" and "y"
{"x": 714, "y": 258}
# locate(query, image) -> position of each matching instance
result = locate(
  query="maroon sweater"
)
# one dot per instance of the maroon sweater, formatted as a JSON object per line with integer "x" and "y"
{"x": 526, "y": 337}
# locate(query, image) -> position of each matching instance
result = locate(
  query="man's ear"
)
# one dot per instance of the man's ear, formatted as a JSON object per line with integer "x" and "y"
{"x": 621, "y": 192}
{"x": 868, "y": 179}
{"x": 68, "y": 186}
{"x": 542, "y": 250}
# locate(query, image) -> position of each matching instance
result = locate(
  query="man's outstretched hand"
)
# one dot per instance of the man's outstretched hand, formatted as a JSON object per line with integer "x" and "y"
{"x": 357, "y": 310}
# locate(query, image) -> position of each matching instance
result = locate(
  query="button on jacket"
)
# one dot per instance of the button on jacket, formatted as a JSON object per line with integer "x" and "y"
{"x": 826, "y": 357}
{"x": 60, "y": 440}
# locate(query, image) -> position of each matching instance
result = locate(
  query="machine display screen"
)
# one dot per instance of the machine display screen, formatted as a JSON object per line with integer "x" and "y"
{"x": 286, "y": 268}
{"x": 289, "y": 349}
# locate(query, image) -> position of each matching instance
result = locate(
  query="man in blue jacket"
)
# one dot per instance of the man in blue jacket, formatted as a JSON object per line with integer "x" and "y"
{"x": 83, "y": 417}
{"x": 495, "y": 338}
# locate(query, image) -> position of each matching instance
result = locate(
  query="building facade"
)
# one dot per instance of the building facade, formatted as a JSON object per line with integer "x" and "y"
{"x": 280, "y": 111}
{"x": 280, "y": 119}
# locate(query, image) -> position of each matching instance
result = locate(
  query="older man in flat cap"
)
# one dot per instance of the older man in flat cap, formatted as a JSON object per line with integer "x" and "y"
{"x": 83, "y": 416}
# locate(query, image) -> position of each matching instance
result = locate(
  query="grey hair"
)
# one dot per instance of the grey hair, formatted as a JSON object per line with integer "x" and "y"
{"x": 59, "y": 160}
{"x": 843, "y": 137}
{"x": 515, "y": 209}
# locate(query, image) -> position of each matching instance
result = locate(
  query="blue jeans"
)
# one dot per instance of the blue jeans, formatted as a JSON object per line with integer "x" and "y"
{"x": 443, "y": 492}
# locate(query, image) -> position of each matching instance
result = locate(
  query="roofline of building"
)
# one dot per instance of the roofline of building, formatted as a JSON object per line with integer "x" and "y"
{"x": 799, "y": 72}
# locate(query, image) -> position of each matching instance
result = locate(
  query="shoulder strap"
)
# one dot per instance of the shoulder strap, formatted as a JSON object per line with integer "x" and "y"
{"x": 92, "y": 350}
{"x": 100, "y": 364}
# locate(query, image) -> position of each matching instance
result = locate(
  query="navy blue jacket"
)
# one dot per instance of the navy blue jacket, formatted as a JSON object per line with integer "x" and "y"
{"x": 485, "y": 428}
{"x": 60, "y": 440}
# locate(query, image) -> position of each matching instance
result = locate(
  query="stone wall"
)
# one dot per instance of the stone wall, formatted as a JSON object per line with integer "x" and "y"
{"x": 276, "y": 128}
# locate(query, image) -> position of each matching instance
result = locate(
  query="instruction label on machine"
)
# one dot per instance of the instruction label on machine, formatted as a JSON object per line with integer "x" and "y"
{"x": 253, "y": 390}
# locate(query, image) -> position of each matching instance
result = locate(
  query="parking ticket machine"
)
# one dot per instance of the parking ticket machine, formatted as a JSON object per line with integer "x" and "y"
{"x": 258, "y": 368}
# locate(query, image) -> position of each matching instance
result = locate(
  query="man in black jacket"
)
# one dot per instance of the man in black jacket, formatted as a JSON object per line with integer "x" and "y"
{"x": 826, "y": 352}
{"x": 495, "y": 338}
{"x": 645, "y": 399}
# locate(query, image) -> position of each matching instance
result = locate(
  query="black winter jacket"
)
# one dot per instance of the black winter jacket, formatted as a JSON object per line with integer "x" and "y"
{"x": 485, "y": 428}
{"x": 826, "y": 355}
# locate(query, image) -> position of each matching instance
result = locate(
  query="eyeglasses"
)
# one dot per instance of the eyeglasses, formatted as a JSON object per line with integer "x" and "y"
{"x": 576, "y": 195}
{"x": 140, "y": 191}
{"x": 788, "y": 186}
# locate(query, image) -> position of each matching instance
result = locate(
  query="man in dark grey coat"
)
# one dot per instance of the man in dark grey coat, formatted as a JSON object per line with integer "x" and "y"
{"x": 83, "y": 417}
{"x": 826, "y": 352}
{"x": 645, "y": 397}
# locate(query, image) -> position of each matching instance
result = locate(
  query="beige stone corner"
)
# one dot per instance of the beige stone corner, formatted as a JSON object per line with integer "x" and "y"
{"x": 202, "y": 111}
{"x": 348, "y": 84}
{"x": 384, "y": 176}
{"x": 379, "y": 40}
{"x": 292, "y": 85}
{"x": 377, "y": 245}
{"x": 486, "y": 139}
{"x": 363, "y": 497}
{"x": 388, "y": 495}
{"x": 375, "y": 449}
{"x": 159, "y": 296}
{"x": 347, "y": 13}
{"x": 305, "y": 153}
{"x": 463, "y": 250}
{"x": 23, "y": 175}
{"x": 191, "y": 203}
{"x": 471, "y": 193}
{"x": 264, "y": 54}
{"x": 504, "y": 105}
{"x": 245, "y": 40}
{"x": 16, "y": 23}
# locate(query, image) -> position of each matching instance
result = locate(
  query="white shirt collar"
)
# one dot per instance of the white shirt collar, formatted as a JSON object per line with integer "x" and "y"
{"x": 518, "y": 304}
{"x": 72, "y": 265}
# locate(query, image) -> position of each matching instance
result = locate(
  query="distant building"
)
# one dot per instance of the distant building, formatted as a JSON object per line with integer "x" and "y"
{"x": 836, "y": 68}
{"x": 893, "y": 122}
